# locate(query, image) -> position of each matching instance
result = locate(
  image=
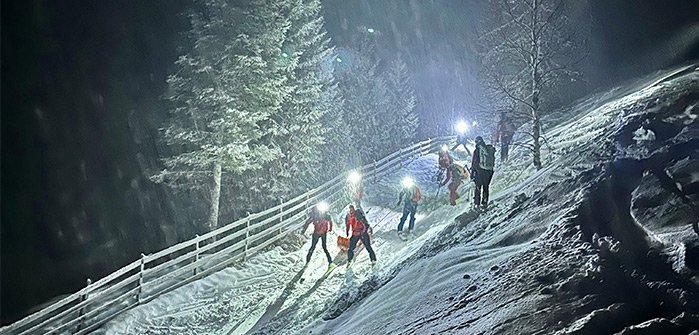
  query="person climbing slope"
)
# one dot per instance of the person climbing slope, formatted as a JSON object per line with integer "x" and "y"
{"x": 356, "y": 222}
{"x": 322, "y": 224}
{"x": 445, "y": 159}
{"x": 410, "y": 196}
{"x": 456, "y": 173}
{"x": 482, "y": 167}
{"x": 503, "y": 133}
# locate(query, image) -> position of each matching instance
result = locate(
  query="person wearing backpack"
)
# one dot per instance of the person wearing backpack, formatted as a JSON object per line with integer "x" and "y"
{"x": 456, "y": 173}
{"x": 322, "y": 224}
{"x": 482, "y": 168}
{"x": 356, "y": 222}
{"x": 410, "y": 196}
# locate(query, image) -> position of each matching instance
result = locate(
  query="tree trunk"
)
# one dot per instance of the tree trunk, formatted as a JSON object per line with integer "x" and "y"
{"x": 536, "y": 134}
{"x": 215, "y": 197}
{"x": 536, "y": 85}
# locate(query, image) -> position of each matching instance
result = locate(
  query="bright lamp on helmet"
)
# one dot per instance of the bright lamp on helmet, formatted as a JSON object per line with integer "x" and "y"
{"x": 462, "y": 127}
{"x": 407, "y": 182}
{"x": 445, "y": 148}
{"x": 322, "y": 206}
{"x": 354, "y": 177}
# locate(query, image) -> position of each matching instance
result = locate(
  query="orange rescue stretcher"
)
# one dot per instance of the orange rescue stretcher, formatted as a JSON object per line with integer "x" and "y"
{"x": 343, "y": 243}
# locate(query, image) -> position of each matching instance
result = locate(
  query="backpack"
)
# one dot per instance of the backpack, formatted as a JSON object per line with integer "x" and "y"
{"x": 459, "y": 171}
{"x": 361, "y": 217}
{"x": 486, "y": 157}
{"x": 417, "y": 196}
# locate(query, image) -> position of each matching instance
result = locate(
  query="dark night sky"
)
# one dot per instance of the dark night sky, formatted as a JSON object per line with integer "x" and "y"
{"x": 81, "y": 82}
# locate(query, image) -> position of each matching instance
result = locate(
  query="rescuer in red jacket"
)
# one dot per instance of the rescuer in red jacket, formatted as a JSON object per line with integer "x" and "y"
{"x": 322, "y": 224}
{"x": 357, "y": 222}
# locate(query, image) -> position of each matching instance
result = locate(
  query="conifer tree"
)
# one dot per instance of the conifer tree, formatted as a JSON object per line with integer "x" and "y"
{"x": 305, "y": 116}
{"x": 365, "y": 99}
{"x": 401, "y": 103}
{"x": 224, "y": 93}
{"x": 313, "y": 95}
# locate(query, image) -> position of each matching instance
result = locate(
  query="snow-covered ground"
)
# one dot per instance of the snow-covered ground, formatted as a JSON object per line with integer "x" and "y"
{"x": 599, "y": 241}
{"x": 274, "y": 288}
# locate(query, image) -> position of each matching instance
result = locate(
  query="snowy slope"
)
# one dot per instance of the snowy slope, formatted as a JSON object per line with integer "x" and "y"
{"x": 272, "y": 288}
{"x": 599, "y": 241}
{"x": 594, "y": 243}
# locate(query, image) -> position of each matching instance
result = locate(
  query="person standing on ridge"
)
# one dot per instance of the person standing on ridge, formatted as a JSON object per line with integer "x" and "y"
{"x": 504, "y": 132}
{"x": 356, "y": 222}
{"x": 456, "y": 173}
{"x": 322, "y": 224}
{"x": 410, "y": 196}
{"x": 482, "y": 168}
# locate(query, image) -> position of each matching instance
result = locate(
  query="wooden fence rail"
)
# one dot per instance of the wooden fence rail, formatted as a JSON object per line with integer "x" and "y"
{"x": 182, "y": 263}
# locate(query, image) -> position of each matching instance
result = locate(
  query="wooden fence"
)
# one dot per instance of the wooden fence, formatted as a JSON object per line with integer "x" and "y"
{"x": 154, "y": 274}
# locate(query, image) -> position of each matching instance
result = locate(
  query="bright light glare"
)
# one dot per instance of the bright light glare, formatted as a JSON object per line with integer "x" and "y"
{"x": 407, "y": 182}
{"x": 462, "y": 127}
{"x": 371, "y": 30}
{"x": 445, "y": 147}
{"x": 475, "y": 123}
{"x": 322, "y": 206}
{"x": 338, "y": 59}
{"x": 354, "y": 177}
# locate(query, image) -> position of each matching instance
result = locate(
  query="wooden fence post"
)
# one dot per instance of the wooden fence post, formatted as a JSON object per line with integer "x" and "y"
{"x": 281, "y": 215}
{"x": 196, "y": 254}
{"x": 82, "y": 309}
{"x": 247, "y": 237}
{"x": 373, "y": 170}
{"x": 140, "y": 278}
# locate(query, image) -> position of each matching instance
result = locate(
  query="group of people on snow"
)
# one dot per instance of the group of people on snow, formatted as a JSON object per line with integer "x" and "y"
{"x": 356, "y": 223}
{"x": 357, "y": 228}
{"x": 482, "y": 162}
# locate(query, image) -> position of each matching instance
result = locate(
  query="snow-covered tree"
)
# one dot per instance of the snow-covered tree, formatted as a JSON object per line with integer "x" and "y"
{"x": 225, "y": 93}
{"x": 379, "y": 100}
{"x": 401, "y": 103}
{"x": 529, "y": 51}
{"x": 364, "y": 93}
{"x": 306, "y": 115}
{"x": 313, "y": 95}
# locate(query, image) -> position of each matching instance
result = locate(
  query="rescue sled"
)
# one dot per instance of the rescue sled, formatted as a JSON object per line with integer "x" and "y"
{"x": 343, "y": 243}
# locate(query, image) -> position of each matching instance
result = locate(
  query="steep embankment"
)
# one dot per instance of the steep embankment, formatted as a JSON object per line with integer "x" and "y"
{"x": 599, "y": 241}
